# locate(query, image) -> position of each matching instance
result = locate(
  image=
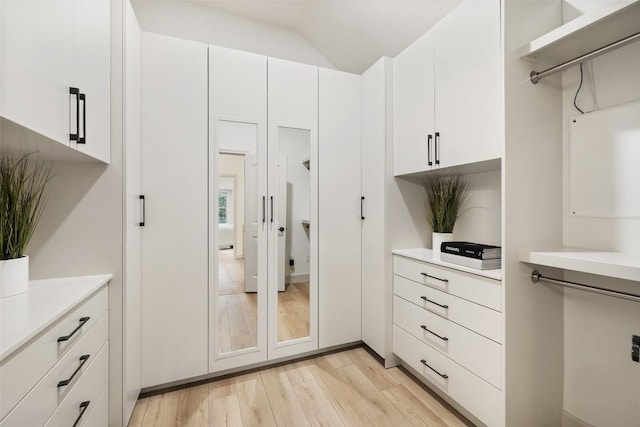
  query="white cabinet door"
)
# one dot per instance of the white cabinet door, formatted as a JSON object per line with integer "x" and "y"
{"x": 293, "y": 132}
{"x": 92, "y": 75}
{"x": 37, "y": 72}
{"x": 339, "y": 298}
{"x": 175, "y": 236}
{"x": 468, "y": 89}
{"x": 413, "y": 84}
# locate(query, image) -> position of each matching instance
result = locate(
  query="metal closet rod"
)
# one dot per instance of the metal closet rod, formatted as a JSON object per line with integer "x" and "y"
{"x": 537, "y": 277}
{"x": 537, "y": 76}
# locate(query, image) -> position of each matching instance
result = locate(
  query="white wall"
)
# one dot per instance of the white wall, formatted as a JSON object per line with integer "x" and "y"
{"x": 295, "y": 144}
{"x": 204, "y": 24}
{"x": 601, "y": 383}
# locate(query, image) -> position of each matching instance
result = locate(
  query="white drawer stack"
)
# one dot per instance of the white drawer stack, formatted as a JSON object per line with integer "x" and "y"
{"x": 448, "y": 327}
{"x": 56, "y": 374}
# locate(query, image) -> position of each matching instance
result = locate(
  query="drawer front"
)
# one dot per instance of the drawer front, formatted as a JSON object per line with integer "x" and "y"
{"x": 478, "y": 289}
{"x": 89, "y": 389}
{"x": 479, "y": 319}
{"x": 36, "y": 408}
{"x": 99, "y": 417}
{"x": 26, "y": 367}
{"x": 474, "y": 394}
{"x": 473, "y": 351}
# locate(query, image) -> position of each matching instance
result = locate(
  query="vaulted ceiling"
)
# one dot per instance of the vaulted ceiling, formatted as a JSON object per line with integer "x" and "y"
{"x": 351, "y": 34}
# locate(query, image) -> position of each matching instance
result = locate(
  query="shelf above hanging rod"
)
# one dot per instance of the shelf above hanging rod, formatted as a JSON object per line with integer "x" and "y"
{"x": 537, "y": 277}
{"x": 536, "y": 76}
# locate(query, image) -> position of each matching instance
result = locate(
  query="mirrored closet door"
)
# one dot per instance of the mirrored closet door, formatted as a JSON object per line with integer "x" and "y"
{"x": 238, "y": 227}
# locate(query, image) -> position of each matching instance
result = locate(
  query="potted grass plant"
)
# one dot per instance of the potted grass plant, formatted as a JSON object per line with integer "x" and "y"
{"x": 22, "y": 200}
{"x": 445, "y": 196}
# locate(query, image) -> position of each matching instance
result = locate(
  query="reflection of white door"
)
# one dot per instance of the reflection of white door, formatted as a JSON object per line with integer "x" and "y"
{"x": 251, "y": 223}
{"x": 282, "y": 219}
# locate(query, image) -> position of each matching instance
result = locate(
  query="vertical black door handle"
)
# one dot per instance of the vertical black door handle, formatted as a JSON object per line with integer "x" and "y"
{"x": 74, "y": 91}
{"x": 362, "y": 207}
{"x": 429, "y": 137}
{"x": 83, "y": 139}
{"x": 144, "y": 210}
{"x": 437, "y": 148}
{"x": 264, "y": 209}
{"x": 272, "y": 209}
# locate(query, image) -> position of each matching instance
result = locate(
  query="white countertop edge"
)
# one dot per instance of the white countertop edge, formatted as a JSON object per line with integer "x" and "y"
{"x": 427, "y": 255}
{"x": 95, "y": 283}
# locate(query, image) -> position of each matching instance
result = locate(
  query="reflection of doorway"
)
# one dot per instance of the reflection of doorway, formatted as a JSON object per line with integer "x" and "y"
{"x": 251, "y": 221}
{"x": 226, "y": 219}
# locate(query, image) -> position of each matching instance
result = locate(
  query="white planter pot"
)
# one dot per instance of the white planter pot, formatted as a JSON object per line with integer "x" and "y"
{"x": 14, "y": 276}
{"x": 438, "y": 238}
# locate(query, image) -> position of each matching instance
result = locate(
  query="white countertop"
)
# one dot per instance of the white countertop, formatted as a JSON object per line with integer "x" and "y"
{"x": 427, "y": 255}
{"x": 611, "y": 264}
{"x": 24, "y": 316}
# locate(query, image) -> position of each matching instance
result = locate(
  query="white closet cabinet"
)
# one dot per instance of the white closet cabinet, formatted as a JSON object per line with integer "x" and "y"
{"x": 340, "y": 205}
{"x": 468, "y": 84}
{"x": 292, "y": 126}
{"x": 49, "y": 47}
{"x": 447, "y": 92}
{"x": 174, "y": 182}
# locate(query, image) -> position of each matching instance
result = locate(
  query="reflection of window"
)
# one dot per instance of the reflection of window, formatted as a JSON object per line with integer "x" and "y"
{"x": 223, "y": 206}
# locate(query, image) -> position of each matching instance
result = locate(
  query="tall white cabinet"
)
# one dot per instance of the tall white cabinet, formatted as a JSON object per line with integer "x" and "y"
{"x": 174, "y": 183}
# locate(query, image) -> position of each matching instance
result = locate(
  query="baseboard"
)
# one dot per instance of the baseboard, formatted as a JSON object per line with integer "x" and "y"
{"x": 570, "y": 420}
{"x": 296, "y": 278}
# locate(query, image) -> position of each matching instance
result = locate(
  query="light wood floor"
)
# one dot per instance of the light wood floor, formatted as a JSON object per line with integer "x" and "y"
{"x": 238, "y": 309}
{"x": 349, "y": 388}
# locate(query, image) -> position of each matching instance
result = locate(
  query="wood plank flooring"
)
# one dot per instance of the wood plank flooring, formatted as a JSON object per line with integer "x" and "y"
{"x": 348, "y": 388}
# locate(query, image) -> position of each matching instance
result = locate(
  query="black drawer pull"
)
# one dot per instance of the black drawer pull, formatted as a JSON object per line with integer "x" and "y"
{"x": 83, "y": 360}
{"x": 424, "y": 362}
{"x": 434, "y": 277}
{"x": 83, "y": 320}
{"x": 83, "y": 408}
{"x": 433, "y": 302}
{"x": 433, "y": 333}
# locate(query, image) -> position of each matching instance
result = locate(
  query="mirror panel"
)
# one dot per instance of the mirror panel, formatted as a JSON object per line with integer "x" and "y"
{"x": 292, "y": 187}
{"x": 236, "y": 215}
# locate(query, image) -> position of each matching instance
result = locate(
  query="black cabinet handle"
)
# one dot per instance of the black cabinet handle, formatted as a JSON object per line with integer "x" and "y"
{"x": 74, "y": 91}
{"x": 435, "y": 303}
{"x": 83, "y": 360}
{"x": 83, "y": 320}
{"x": 434, "y": 277}
{"x": 437, "y": 148}
{"x": 83, "y": 139}
{"x": 83, "y": 408}
{"x": 362, "y": 207}
{"x": 264, "y": 209}
{"x": 429, "y": 138}
{"x": 424, "y": 362}
{"x": 433, "y": 333}
{"x": 272, "y": 209}
{"x": 144, "y": 210}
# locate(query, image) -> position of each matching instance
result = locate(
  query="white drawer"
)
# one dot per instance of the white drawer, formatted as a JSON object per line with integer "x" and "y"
{"x": 89, "y": 389}
{"x": 478, "y": 289}
{"x": 482, "y": 320}
{"x": 476, "y": 395}
{"x": 36, "y": 408}
{"x": 22, "y": 370}
{"x": 471, "y": 350}
{"x": 99, "y": 417}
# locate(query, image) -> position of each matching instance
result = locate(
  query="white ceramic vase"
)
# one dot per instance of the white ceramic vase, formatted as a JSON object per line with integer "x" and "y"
{"x": 14, "y": 276}
{"x": 438, "y": 238}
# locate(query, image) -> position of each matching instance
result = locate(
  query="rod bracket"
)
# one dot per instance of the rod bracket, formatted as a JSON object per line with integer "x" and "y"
{"x": 535, "y": 276}
{"x": 533, "y": 76}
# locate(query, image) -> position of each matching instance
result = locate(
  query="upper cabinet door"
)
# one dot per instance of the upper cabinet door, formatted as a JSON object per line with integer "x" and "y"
{"x": 37, "y": 40}
{"x": 92, "y": 75}
{"x": 468, "y": 84}
{"x": 413, "y": 84}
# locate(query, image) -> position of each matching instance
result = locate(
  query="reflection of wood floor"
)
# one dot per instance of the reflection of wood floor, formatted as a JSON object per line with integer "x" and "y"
{"x": 350, "y": 388}
{"x": 238, "y": 310}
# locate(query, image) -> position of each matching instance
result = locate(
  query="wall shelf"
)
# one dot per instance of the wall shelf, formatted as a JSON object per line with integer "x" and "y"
{"x": 585, "y": 33}
{"x": 610, "y": 264}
